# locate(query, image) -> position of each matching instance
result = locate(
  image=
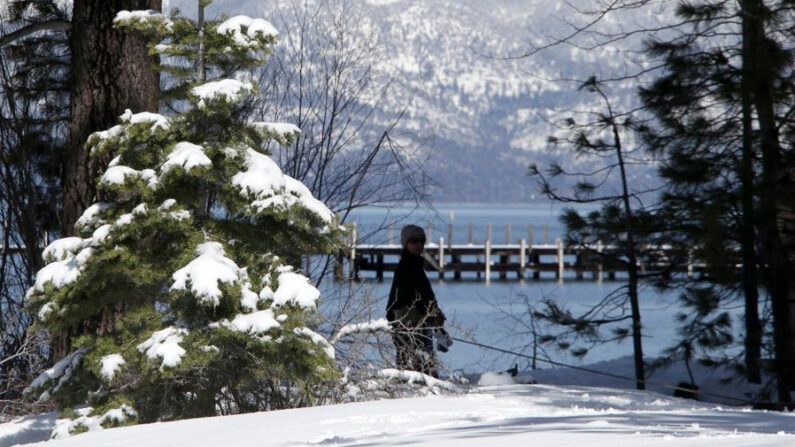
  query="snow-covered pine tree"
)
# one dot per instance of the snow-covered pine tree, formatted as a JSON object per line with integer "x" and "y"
{"x": 183, "y": 264}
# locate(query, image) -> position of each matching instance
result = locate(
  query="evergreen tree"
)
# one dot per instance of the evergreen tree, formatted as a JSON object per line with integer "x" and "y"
{"x": 181, "y": 268}
{"x": 722, "y": 108}
{"x": 725, "y": 106}
{"x": 704, "y": 138}
{"x": 621, "y": 234}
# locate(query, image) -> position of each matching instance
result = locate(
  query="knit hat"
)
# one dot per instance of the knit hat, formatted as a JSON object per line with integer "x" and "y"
{"x": 411, "y": 232}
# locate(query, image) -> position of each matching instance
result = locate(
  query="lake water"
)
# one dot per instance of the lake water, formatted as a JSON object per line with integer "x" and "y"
{"x": 498, "y": 313}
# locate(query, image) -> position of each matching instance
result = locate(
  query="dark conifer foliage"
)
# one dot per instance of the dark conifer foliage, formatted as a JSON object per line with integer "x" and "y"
{"x": 724, "y": 104}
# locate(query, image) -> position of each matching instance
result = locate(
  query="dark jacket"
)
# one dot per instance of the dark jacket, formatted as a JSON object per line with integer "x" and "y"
{"x": 411, "y": 298}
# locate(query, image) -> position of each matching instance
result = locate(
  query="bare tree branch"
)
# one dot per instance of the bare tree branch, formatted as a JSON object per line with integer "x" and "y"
{"x": 56, "y": 25}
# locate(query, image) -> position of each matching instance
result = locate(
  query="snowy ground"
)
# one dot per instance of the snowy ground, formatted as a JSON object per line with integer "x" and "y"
{"x": 538, "y": 415}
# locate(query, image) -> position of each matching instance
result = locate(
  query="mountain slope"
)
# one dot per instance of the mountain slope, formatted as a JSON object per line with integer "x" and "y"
{"x": 480, "y": 119}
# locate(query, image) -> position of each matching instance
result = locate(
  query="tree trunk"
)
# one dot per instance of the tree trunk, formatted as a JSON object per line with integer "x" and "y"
{"x": 753, "y": 327}
{"x": 632, "y": 268}
{"x": 110, "y": 72}
{"x": 775, "y": 178}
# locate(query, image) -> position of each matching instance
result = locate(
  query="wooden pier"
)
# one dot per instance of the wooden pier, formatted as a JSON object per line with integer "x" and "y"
{"x": 485, "y": 261}
{"x": 505, "y": 261}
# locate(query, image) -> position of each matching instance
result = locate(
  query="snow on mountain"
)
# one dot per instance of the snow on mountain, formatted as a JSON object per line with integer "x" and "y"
{"x": 481, "y": 118}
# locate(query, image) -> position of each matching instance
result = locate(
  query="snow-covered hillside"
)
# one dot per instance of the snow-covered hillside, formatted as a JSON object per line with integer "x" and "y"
{"x": 482, "y": 119}
{"x": 506, "y": 415}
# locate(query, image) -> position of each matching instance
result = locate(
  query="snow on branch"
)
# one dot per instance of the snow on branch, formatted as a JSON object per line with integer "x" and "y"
{"x": 416, "y": 377}
{"x": 295, "y": 288}
{"x": 165, "y": 344}
{"x": 118, "y": 175}
{"x": 92, "y": 215}
{"x": 299, "y": 193}
{"x": 186, "y": 156}
{"x": 280, "y": 129}
{"x": 272, "y": 189}
{"x": 110, "y": 364}
{"x": 157, "y": 120}
{"x": 262, "y": 176}
{"x": 61, "y": 273}
{"x": 253, "y": 323}
{"x": 143, "y": 19}
{"x": 61, "y": 371}
{"x": 109, "y": 134}
{"x": 372, "y": 326}
{"x": 245, "y": 31}
{"x": 284, "y": 133}
{"x": 205, "y": 272}
{"x": 317, "y": 339}
{"x": 108, "y": 140}
{"x": 230, "y": 90}
{"x": 60, "y": 249}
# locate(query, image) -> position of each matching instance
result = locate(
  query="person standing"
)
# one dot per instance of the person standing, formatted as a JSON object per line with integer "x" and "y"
{"x": 412, "y": 309}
